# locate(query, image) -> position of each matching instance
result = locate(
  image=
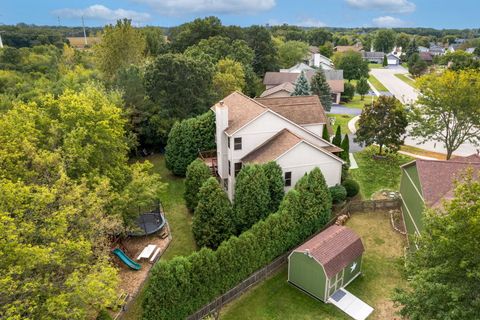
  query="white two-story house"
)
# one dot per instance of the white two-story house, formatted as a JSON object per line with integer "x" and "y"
{"x": 286, "y": 130}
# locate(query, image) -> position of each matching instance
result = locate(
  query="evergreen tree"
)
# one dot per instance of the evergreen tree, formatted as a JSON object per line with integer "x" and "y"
{"x": 197, "y": 173}
{"x": 411, "y": 49}
{"x": 345, "y": 145}
{"x": 325, "y": 134}
{"x": 385, "y": 61}
{"x": 321, "y": 88}
{"x": 252, "y": 197}
{"x": 302, "y": 88}
{"x": 362, "y": 87}
{"x": 212, "y": 221}
{"x": 276, "y": 185}
{"x": 348, "y": 92}
{"x": 337, "y": 139}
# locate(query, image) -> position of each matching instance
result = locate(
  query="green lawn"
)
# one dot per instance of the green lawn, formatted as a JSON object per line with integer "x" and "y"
{"x": 179, "y": 219}
{"x": 357, "y": 102}
{"x": 274, "y": 298}
{"x": 342, "y": 121}
{"x": 377, "y": 174}
{"x": 406, "y": 79}
{"x": 377, "y": 84}
{"x": 375, "y": 65}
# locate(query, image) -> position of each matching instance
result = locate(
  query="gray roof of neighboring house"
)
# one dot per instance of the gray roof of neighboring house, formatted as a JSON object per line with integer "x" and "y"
{"x": 373, "y": 55}
{"x": 334, "y": 78}
{"x": 391, "y": 55}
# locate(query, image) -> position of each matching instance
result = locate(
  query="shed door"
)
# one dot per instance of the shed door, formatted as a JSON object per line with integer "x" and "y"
{"x": 335, "y": 283}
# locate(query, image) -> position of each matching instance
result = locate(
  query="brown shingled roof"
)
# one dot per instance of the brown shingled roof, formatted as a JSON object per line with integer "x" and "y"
{"x": 288, "y": 87}
{"x": 299, "y": 109}
{"x": 333, "y": 78}
{"x": 334, "y": 248}
{"x": 437, "y": 177}
{"x": 273, "y": 147}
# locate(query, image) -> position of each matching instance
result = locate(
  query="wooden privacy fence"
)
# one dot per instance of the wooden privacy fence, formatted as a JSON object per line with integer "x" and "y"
{"x": 350, "y": 207}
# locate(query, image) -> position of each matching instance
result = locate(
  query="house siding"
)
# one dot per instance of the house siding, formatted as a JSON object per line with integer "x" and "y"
{"x": 412, "y": 201}
{"x": 307, "y": 274}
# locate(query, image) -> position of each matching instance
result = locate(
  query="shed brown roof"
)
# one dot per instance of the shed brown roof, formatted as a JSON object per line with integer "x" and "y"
{"x": 437, "y": 177}
{"x": 288, "y": 87}
{"x": 334, "y": 248}
{"x": 273, "y": 147}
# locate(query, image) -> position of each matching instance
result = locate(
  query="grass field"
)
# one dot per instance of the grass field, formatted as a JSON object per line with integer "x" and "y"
{"x": 377, "y": 84}
{"x": 358, "y": 103}
{"x": 179, "y": 219}
{"x": 342, "y": 121}
{"x": 406, "y": 79}
{"x": 377, "y": 174}
{"x": 422, "y": 152}
{"x": 375, "y": 65}
{"x": 274, "y": 298}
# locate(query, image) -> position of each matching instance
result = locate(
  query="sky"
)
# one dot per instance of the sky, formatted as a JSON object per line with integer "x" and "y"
{"x": 458, "y": 14}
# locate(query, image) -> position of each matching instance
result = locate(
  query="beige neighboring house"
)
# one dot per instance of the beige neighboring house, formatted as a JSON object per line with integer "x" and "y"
{"x": 286, "y": 130}
{"x": 282, "y": 84}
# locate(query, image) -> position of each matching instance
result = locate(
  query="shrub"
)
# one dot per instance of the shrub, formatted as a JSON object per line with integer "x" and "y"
{"x": 352, "y": 187}
{"x": 180, "y": 286}
{"x": 276, "y": 185}
{"x": 252, "y": 197}
{"x": 348, "y": 92}
{"x": 345, "y": 145}
{"x": 186, "y": 138}
{"x": 338, "y": 193}
{"x": 213, "y": 219}
{"x": 197, "y": 173}
{"x": 104, "y": 315}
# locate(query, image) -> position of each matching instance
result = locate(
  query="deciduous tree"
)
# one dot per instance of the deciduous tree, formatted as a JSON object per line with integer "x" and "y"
{"x": 362, "y": 87}
{"x": 384, "y": 40}
{"x": 352, "y": 64}
{"x": 229, "y": 77}
{"x": 291, "y": 53}
{"x": 448, "y": 109}
{"x": 384, "y": 123}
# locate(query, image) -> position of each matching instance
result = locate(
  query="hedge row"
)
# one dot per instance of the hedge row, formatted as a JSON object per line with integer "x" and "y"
{"x": 181, "y": 286}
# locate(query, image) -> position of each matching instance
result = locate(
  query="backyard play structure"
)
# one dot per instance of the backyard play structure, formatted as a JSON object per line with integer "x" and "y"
{"x": 146, "y": 224}
{"x": 323, "y": 266}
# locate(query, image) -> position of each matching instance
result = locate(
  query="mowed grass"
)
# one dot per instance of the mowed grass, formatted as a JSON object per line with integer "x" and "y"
{"x": 377, "y": 174}
{"x": 179, "y": 219}
{"x": 358, "y": 103}
{"x": 377, "y": 84}
{"x": 274, "y": 298}
{"x": 375, "y": 65}
{"x": 342, "y": 121}
{"x": 407, "y": 80}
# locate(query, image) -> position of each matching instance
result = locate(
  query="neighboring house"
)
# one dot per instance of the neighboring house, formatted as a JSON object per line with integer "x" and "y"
{"x": 423, "y": 49}
{"x": 393, "y": 60}
{"x": 299, "y": 67}
{"x": 275, "y": 83}
{"x": 470, "y": 50}
{"x": 373, "y": 57}
{"x": 315, "y": 59}
{"x": 436, "y": 50}
{"x": 397, "y": 51}
{"x": 327, "y": 262}
{"x": 427, "y": 57}
{"x": 357, "y": 47}
{"x": 425, "y": 183}
{"x": 285, "y": 130}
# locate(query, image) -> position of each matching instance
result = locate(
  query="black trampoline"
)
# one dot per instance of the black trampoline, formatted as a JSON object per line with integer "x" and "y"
{"x": 148, "y": 223}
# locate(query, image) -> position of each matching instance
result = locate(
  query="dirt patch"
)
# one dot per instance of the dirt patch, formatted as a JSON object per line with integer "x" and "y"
{"x": 131, "y": 280}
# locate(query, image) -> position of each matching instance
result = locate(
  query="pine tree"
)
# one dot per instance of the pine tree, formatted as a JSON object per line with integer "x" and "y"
{"x": 337, "y": 139}
{"x": 362, "y": 87}
{"x": 385, "y": 61}
{"x": 302, "y": 88}
{"x": 213, "y": 218}
{"x": 325, "y": 134}
{"x": 345, "y": 145}
{"x": 321, "y": 88}
{"x": 276, "y": 184}
{"x": 197, "y": 173}
{"x": 252, "y": 197}
{"x": 411, "y": 49}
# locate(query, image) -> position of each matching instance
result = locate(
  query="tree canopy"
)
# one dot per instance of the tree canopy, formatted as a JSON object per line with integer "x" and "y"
{"x": 321, "y": 88}
{"x": 447, "y": 109}
{"x": 384, "y": 40}
{"x": 352, "y": 64}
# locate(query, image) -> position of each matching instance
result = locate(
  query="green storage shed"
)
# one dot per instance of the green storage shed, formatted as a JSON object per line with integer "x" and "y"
{"x": 327, "y": 262}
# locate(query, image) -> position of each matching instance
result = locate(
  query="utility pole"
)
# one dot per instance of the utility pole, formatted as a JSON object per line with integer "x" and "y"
{"x": 84, "y": 33}
{"x": 1, "y": 43}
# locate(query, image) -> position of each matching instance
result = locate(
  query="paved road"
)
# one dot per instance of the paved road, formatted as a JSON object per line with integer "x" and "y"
{"x": 339, "y": 109}
{"x": 407, "y": 95}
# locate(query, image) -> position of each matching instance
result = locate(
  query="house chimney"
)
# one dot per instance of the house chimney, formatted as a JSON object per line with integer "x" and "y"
{"x": 221, "y": 116}
{"x": 307, "y": 252}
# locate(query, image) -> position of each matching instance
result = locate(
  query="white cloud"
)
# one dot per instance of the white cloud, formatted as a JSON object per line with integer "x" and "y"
{"x": 100, "y": 12}
{"x": 392, "y": 6}
{"x": 388, "y": 22}
{"x": 175, "y": 7}
{"x": 310, "y": 22}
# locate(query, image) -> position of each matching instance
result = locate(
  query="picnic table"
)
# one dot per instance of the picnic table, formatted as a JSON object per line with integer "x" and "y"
{"x": 146, "y": 252}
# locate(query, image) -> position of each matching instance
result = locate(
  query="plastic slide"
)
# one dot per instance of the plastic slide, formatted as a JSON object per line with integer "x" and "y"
{"x": 125, "y": 259}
